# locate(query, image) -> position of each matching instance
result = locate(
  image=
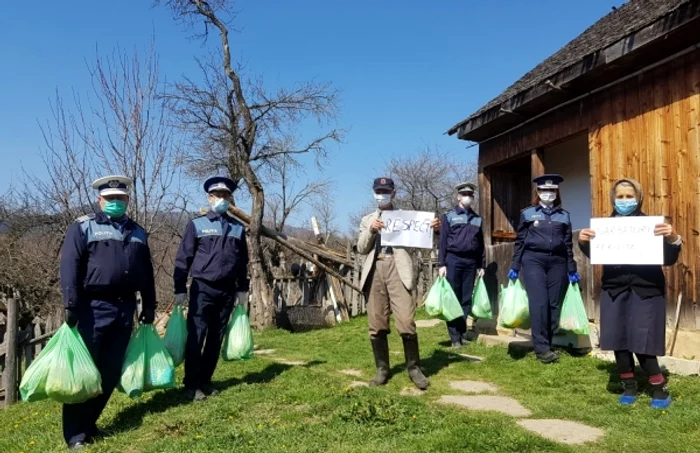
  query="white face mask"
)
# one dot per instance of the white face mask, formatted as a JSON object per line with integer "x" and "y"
{"x": 382, "y": 199}
{"x": 466, "y": 201}
{"x": 548, "y": 197}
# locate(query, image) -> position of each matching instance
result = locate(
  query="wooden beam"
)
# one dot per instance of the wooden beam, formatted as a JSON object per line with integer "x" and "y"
{"x": 536, "y": 166}
{"x": 11, "y": 370}
{"x": 486, "y": 204}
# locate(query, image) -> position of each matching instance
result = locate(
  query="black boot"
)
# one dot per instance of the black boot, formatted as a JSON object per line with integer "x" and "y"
{"x": 380, "y": 348}
{"x": 410, "y": 350}
{"x": 629, "y": 391}
{"x": 660, "y": 397}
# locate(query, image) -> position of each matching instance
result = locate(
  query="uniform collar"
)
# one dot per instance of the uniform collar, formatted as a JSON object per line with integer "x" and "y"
{"x": 104, "y": 219}
{"x": 213, "y": 215}
{"x": 553, "y": 208}
{"x": 460, "y": 210}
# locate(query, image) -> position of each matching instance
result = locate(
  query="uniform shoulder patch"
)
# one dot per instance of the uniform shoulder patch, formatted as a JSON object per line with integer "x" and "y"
{"x": 85, "y": 218}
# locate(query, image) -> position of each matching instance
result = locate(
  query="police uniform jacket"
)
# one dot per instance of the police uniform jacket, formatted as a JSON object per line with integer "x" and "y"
{"x": 461, "y": 235}
{"x": 542, "y": 232}
{"x": 214, "y": 250}
{"x": 106, "y": 260}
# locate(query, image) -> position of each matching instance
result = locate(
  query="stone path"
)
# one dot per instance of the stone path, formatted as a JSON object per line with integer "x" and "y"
{"x": 289, "y": 362}
{"x": 563, "y": 431}
{"x": 412, "y": 391}
{"x": 428, "y": 322}
{"x": 264, "y": 351}
{"x": 502, "y": 404}
{"x": 473, "y": 387}
{"x": 470, "y": 358}
{"x": 358, "y": 384}
{"x": 356, "y": 373}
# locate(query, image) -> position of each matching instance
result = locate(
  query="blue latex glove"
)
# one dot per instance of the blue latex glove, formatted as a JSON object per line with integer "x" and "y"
{"x": 574, "y": 277}
{"x": 513, "y": 274}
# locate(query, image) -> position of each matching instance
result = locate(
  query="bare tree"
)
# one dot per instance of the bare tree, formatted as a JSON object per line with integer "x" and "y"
{"x": 120, "y": 127}
{"x": 239, "y": 127}
{"x": 285, "y": 202}
{"x": 324, "y": 211}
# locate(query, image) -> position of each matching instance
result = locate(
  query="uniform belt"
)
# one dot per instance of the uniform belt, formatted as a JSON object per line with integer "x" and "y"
{"x": 384, "y": 256}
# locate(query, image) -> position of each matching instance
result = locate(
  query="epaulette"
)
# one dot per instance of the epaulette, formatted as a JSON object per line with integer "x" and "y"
{"x": 85, "y": 218}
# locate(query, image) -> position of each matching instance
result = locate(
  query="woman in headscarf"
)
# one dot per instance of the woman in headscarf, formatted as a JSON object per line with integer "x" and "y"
{"x": 544, "y": 249}
{"x": 632, "y": 303}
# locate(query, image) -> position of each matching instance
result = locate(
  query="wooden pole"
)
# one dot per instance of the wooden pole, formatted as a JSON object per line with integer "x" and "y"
{"x": 275, "y": 236}
{"x": 675, "y": 327}
{"x": 10, "y": 374}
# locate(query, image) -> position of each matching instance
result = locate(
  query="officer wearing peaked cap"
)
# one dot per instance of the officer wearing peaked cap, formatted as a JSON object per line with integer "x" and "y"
{"x": 461, "y": 255}
{"x": 105, "y": 260}
{"x": 387, "y": 280}
{"x": 214, "y": 251}
{"x": 544, "y": 251}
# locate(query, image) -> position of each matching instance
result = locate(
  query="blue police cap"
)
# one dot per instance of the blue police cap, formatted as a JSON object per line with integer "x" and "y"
{"x": 549, "y": 181}
{"x": 219, "y": 183}
{"x": 466, "y": 187}
{"x": 383, "y": 183}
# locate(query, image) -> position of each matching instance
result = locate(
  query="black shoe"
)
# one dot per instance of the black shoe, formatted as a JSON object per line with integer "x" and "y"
{"x": 380, "y": 348}
{"x": 548, "y": 357}
{"x": 97, "y": 433}
{"x": 660, "y": 397}
{"x": 410, "y": 350}
{"x": 629, "y": 391}
{"x": 209, "y": 390}
{"x": 456, "y": 345}
{"x": 77, "y": 446}
{"x": 196, "y": 395}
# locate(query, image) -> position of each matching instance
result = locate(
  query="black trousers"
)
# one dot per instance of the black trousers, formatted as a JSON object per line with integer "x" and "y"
{"x": 106, "y": 329}
{"x": 208, "y": 315}
{"x": 461, "y": 273}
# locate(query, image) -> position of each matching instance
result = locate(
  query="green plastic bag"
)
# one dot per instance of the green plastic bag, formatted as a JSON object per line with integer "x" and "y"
{"x": 63, "y": 372}
{"x": 573, "y": 313}
{"x": 175, "y": 338}
{"x": 442, "y": 302}
{"x": 238, "y": 343}
{"x": 148, "y": 365}
{"x": 481, "y": 304}
{"x": 514, "y": 312}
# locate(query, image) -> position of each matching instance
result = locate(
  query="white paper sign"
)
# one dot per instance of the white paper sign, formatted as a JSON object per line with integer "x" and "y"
{"x": 626, "y": 240}
{"x": 407, "y": 229}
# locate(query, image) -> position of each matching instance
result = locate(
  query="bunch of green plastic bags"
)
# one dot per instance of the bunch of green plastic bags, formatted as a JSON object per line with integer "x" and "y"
{"x": 514, "y": 312}
{"x": 238, "y": 343}
{"x": 481, "y": 304}
{"x": 573, "y": 313}
{"x": 64, "y": 371}
{"x": 442, "y": 302}
{"x": 148, "y": 365}
{"x": 175, "y": 338}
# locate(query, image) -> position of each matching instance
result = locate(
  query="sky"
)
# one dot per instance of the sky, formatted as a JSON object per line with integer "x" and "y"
{"x": 407, "y": 71}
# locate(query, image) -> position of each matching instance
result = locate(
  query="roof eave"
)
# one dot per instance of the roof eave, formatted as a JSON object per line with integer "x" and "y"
{"x": 471, "y": 128}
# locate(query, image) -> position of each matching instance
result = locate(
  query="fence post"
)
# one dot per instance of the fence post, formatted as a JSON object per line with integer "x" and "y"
{"x": 10, "y": 374}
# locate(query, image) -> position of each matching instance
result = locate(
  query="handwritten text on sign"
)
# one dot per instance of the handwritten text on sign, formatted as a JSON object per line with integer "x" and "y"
{"x": 407, "y": 229}
{"x": 626, "y": 240}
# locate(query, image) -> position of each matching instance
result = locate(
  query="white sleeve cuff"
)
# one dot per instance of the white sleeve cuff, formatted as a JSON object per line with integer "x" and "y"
{"x": 678, "y": 241}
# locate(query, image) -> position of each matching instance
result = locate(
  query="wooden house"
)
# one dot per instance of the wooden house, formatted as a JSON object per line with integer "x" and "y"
{"x": 620, "y": 100}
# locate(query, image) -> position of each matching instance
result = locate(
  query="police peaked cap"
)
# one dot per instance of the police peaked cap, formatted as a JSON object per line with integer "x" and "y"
{"x": 112, "y": 185}
{"x": 466, "y": 187}
{"x": 549, "y": 181}
{"x": 219, "y": 183}
{"x": 383, "y": 183}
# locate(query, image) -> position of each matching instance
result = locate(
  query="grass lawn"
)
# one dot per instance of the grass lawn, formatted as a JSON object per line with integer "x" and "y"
{"x": 269, "y": 407}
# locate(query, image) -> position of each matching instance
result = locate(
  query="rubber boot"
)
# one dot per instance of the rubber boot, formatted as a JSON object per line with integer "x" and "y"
{"x": 410, "y": 349}
{"x": 629, "y": 394}
{"x": 380, "y": 348}
{"x": 660, "y": 398}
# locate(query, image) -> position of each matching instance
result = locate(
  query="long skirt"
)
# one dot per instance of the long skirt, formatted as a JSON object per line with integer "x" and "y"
{"x": 631, "y": 323}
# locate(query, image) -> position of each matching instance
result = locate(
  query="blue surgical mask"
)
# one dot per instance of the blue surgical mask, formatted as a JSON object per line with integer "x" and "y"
{"x": 625, "y": 207}
{"x": 219, "y": 205}
{"x": 115, "y": 208}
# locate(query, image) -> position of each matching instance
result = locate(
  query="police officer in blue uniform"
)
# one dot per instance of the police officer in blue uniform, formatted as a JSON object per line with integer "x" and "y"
{"x": 461, "y": 256}
{"x": 544, "y": 251}
{"x": 105, "y": 260}
{"x": 215, "y": 251}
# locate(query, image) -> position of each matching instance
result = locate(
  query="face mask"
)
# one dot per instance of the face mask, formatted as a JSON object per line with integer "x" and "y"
{"x": 625, "y": 207}
{"x": 382, "y": 199}
{"x": 115, "y": 208}
{"x": 466, "y": 201}
{"x": 219, "y": 205}
{"x": 548, "y": 197}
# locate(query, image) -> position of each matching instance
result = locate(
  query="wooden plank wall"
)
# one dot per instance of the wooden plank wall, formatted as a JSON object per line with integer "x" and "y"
{"x": 647, "y": 128}
{"x": 508, "y": 199}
